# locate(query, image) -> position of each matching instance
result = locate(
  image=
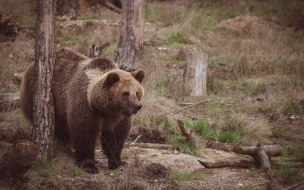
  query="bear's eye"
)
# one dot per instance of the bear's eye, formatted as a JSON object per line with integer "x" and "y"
{"x": 126, "y": 94}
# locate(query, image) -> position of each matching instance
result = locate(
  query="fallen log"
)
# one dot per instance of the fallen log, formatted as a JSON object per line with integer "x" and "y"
{"x": 151, "y": 145}
{"x": 9, "y": 102}
{"x": 270, "y": 150}
{"x": 112, "y": 7}
{"x": 297, "y": 186}
{"x": 229, "y": 162}
{"x": 213, "y": 144}
{"x": 17, "y": 160}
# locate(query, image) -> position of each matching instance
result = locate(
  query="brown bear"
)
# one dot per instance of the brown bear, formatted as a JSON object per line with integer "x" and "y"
{"x": 92, "y": 98}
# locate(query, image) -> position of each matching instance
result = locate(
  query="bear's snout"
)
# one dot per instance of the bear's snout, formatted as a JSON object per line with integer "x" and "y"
{"x": 138, "y": 106}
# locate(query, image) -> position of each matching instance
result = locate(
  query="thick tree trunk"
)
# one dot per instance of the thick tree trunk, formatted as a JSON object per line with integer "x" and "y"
{"x": 17, "y": 160}
{"x": 195, "y": 74}
{"x": 131, "y": 33}
{"x": 43, "y": 129}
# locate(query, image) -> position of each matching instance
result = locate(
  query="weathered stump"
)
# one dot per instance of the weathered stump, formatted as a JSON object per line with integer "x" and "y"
{"x": 195, "y": 74}
{"x": 17, "y": 160}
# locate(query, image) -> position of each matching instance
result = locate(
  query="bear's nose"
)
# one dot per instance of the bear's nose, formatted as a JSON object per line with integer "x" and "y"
{"x": 138, "y": 106}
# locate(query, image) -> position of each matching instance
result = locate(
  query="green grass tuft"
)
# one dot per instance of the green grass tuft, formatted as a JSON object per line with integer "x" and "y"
{"x": 75, "y": 171}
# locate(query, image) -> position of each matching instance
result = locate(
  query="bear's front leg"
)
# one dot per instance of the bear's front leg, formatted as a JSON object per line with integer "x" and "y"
{"x": 113, "y": 140}
{"x": 83, "y": 137}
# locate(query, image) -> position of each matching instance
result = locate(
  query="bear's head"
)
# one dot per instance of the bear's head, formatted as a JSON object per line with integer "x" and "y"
{"x": 119, "y": 92}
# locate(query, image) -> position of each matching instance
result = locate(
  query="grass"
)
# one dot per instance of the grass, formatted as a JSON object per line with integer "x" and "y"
{"x": 76, "y": 171}
{"x": 184, "y": 176}
{"x": 299, "y": 152}
{"x": 289, "y": 174}
{"x": 228, "y": 131}
{"x": 43, "y": 168}
{"x": 89, "y": 23}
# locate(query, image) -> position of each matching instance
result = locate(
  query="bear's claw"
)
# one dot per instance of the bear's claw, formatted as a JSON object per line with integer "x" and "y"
{"x": 116, "y": 164}
{"x": 89, "y": 165}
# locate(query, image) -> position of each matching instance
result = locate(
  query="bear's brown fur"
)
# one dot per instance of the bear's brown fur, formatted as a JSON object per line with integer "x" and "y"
{"x": 91, "y": 97}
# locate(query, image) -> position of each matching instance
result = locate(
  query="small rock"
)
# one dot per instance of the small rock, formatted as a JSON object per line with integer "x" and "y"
{"x": 261, "y": 98}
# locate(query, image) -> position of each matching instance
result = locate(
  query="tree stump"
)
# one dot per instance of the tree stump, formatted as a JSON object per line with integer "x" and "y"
{"x": 195, "y": 74}
{"x": 132, "y": 33}
{"x": 17, "y": 160}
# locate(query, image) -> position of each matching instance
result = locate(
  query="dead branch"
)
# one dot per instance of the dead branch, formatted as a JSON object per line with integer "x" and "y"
{"x": 118, "y": 58}
{"x": 113, "y": 7}
{"x": 96, "y": 51}
{"x": 270, "y": 150}
{"x": 213, "y": 144}
{"x": 196, "y": 104}
{"x": 187, "y": 134}
{"x": 297, "y": 186}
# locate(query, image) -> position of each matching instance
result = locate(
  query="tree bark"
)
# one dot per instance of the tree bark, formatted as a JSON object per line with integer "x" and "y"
{"x": 43, "y": 121}
{"x": 195, "y": 74}
{"x": 131, "y": 33}
{"x": 17, "y": 160}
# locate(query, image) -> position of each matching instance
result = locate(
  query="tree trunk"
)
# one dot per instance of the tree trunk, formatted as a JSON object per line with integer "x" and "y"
{"x": 131, "y": 33}
{"x": 43, "y": 121}
{"x": 17, "y": 160}
{"x": 195, "y": 74}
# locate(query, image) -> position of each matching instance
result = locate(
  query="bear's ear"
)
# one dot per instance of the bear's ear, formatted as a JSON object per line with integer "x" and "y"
{"x": 139, "y": 75}
{"x": 112, "y": 78}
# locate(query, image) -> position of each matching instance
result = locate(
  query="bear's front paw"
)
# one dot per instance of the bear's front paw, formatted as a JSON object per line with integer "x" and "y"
{"x": 114, "y": 164}
{"x": 89, "y": 165}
